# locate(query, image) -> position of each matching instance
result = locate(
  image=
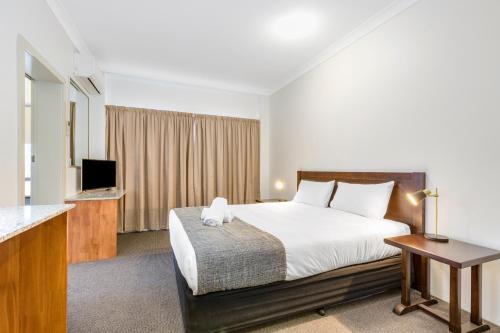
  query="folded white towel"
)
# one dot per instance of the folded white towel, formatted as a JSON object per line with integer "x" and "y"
{"x": 220, "y": 206}
{"x": 212, "y": 217}
{"x": 228, "y": 216}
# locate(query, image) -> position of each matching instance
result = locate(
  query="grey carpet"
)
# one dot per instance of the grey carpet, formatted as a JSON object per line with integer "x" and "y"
{"x": 137, "y": 292}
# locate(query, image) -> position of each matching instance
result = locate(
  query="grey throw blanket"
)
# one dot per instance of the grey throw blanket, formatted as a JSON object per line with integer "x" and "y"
{"x": 236, "y": 255}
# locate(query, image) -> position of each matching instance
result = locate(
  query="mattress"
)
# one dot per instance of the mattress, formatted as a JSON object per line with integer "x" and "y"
{"x": 316, "y": 240}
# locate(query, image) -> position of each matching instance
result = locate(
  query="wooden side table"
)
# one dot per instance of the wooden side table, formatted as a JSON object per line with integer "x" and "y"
{"x": 270, "y": 200}
{"x": 457, "y": 255}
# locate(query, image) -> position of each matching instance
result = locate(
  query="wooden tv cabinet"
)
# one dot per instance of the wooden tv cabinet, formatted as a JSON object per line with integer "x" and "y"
{"x": 92, "y": 225}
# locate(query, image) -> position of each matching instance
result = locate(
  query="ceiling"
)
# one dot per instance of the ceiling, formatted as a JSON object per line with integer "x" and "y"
{"x": 228, "y": 44}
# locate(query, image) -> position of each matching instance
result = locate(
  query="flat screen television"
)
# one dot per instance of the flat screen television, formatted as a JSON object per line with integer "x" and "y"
{"x": 98, "y": 174}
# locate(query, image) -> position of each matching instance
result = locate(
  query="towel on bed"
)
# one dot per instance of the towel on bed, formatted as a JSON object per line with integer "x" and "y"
{"x": 211, "y": 215}
{"x": 238, "y": 255}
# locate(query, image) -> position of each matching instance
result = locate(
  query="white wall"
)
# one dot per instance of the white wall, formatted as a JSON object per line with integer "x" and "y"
{"x": 97, "y": 127}
{"x": 152, "y": 94}
{"x": 33, "y": 20}
{"x": 421, "y": 93}
{"x": 143, "y": 93}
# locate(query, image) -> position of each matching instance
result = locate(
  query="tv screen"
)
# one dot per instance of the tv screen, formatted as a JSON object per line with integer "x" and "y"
{"x": 98, "y": 174}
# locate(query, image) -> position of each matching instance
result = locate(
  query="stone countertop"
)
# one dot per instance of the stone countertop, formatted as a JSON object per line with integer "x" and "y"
{"x": 18, "y": 219}
{"x": 97, "y": 195}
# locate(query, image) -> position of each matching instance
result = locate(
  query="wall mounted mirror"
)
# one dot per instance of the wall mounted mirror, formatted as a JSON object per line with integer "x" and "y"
{"x": 78, "y": 125}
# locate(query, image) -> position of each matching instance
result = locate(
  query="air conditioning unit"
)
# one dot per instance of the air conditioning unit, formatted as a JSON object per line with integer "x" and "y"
{"x": 86, "y": 74}
{"x": 89, "y": 83}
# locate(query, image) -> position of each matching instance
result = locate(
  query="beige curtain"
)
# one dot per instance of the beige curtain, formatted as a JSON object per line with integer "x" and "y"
{"x": 226, "y": 160}
{"x": 172, "y": 159}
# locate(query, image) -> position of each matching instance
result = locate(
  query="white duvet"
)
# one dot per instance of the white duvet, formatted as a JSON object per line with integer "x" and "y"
{"x": 316, "y": 239}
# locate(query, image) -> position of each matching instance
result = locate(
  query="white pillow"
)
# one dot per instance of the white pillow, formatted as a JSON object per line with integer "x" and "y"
{"x": 314, "y": 193}
{"x": 370, "y": 200}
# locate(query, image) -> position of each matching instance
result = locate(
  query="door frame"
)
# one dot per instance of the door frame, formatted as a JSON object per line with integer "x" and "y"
{"x": 28, "y": 56}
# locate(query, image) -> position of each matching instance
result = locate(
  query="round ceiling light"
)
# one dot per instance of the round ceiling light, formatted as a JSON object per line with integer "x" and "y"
{"x": 295, "y": 25}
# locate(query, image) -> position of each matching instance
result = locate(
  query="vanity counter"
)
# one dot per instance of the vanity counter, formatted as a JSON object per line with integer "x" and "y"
{"x": 18, "y": 219}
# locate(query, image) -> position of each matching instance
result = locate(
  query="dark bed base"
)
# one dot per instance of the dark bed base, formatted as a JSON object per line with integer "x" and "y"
{"x": 241, "y": 308}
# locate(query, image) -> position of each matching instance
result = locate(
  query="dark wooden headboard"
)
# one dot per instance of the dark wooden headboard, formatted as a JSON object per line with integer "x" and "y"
{"x": 400, "y": 209}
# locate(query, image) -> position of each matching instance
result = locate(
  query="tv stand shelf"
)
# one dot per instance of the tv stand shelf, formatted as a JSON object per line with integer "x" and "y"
{"x": 97, "y": 195}
{"x": 92, "y": 225}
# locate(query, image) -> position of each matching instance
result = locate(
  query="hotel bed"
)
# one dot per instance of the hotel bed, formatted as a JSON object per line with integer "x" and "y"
{"x": 316, "y": 239}
{"x": 332, "y": 256}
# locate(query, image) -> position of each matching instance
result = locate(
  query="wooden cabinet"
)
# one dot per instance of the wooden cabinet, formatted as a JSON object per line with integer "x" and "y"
{"x": 33, "y": 279}
{"x": 92, "y": 226}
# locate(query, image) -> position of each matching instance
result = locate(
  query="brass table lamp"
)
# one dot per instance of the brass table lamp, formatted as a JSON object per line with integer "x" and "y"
{"x": 415, "y": 198}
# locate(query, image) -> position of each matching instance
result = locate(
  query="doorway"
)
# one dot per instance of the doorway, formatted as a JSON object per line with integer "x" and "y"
{"x": 41, "y": 130}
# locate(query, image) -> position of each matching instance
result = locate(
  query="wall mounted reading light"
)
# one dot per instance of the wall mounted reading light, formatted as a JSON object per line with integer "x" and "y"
{"x": 415, "y": 198}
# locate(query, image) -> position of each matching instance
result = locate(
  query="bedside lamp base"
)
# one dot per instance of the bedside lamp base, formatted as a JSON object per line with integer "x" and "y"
{"x": 437, "y": 238}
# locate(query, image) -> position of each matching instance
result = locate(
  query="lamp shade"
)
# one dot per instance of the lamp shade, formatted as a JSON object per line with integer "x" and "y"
{"x": 279, "y": 185}
{"x": 418, "y": 196}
